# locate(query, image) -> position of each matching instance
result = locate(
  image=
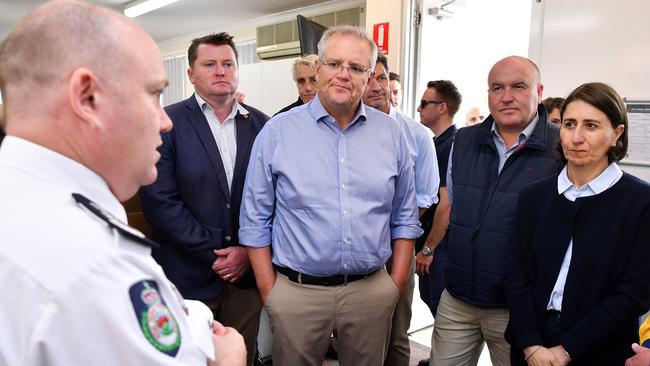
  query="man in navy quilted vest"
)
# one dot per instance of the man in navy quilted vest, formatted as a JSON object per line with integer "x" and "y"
{"x": 489, "y": 164}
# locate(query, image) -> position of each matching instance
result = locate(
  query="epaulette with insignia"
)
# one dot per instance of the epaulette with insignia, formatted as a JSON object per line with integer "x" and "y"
{"x": 112, "y": 221}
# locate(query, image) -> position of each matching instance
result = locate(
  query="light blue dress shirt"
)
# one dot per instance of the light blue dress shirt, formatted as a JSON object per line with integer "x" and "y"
{"x": 329, "y": 201}
{"x": 502, "y": 149}
{"x": 598, "y": 185}
{"x": 423, "y": 155}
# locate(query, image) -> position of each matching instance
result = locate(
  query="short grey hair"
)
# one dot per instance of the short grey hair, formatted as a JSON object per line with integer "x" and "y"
{"x": 348, "y": 30}
{"x": 309, "y": 61}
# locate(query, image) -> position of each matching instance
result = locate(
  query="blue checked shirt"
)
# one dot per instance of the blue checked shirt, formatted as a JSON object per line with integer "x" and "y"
{"x": 329, "y": 201}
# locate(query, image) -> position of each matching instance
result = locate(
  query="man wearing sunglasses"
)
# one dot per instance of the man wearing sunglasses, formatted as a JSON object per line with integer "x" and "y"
{"x": 437, "y": 108}
{"x": 422, "y": 153}
{"x": 329, "y": 186}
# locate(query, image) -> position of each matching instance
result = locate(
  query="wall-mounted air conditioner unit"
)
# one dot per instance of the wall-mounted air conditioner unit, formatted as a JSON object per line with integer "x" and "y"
{"x": 281, "y": 39}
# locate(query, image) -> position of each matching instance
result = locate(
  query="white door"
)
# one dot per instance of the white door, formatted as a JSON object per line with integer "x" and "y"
{"x": 461, "y": 40}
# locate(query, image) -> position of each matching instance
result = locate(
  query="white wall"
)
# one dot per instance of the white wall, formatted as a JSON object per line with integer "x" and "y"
{"x": 464, "y": 48}
{"x": 381, "y": 11}
{"x": 575, "y": 41}
{"x": 268, "y": 85}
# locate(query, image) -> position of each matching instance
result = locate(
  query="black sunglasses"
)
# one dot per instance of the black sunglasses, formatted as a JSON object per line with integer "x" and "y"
{"x": 424, "y": 102}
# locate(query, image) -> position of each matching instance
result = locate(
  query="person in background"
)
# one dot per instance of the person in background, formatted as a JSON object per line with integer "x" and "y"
{"x": 423, "y": 155}
{"x": 576, "y": 292}
{"x": 395, "y": 90}
{"x": 240, "y": 96}
{"x": 489, "y": 164}
{"x": 193, "y": 206}
{"x": 79, "y": 286}
{"x": 304, "y": 74}
{"x": 474, "y": 116}
{"x": 553, "y": 106}
{"x": 438, "y": 105}
{"x": 329, "y": 186}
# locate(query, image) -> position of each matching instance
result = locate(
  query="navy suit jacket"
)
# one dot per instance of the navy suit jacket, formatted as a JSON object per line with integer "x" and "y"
{"x": 608, "y": 284}
{"x": 189, "y": 206}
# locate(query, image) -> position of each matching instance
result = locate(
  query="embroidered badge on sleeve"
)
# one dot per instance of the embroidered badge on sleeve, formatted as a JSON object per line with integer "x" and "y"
{"x": 156, "y": 321}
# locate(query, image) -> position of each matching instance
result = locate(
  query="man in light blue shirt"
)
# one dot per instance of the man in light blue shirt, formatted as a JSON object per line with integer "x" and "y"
{"x": 329, "y": 186}
{"x": 423, "y": 155}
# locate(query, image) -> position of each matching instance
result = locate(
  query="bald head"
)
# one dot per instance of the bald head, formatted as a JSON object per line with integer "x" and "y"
{"x": 518, "y": 62}
{"x": 474, "y": 116}
{"x": 84, "y": 81}
{"x": 56, "y": 38}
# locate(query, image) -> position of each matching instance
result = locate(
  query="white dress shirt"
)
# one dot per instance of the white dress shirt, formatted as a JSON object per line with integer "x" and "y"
{"x": 225, "y": 134}
{"x": 66, "y": 275}
{"x": 601, "y": 183}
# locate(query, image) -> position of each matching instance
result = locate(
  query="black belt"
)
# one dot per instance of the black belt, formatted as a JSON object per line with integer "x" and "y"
{"x": 336, "y": 280}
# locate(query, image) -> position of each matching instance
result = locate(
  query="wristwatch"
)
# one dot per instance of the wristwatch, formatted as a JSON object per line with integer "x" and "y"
{"x": 426, "y": 251}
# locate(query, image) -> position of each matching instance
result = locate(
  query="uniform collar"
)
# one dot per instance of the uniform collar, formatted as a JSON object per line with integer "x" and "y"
{"x": 59, "y": 170}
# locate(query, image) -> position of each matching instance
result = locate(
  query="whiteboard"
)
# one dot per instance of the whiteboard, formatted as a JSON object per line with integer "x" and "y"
{"x": 577, "y": 41}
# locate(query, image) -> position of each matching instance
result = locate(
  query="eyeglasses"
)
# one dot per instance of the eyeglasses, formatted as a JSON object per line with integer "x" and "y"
{"x": 425, "y": 102}
{"x": 353, "y": 69}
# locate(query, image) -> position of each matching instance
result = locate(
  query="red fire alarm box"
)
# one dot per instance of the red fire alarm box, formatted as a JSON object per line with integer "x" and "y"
{"x": 380, "y": 36}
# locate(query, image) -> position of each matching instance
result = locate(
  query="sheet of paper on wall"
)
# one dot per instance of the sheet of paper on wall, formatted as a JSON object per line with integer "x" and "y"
{"x": 638, "y": 112}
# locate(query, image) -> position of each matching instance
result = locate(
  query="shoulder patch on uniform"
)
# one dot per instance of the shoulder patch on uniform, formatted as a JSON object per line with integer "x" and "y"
{"x": 156, "y": 321}
{"x": 112, "y": 221}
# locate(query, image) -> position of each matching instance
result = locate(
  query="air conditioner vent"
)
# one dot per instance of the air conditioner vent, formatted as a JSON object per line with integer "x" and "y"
{"x": 281, "y": 39}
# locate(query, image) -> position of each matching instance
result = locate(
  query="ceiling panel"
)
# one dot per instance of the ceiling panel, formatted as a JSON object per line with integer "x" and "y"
{"x": 179, "y": 19}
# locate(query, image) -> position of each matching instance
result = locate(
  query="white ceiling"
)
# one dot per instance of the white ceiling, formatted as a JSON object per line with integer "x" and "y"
{"x": 182, "y": 18}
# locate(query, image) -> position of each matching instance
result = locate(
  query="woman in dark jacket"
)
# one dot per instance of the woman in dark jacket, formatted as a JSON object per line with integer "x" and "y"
{"x": 579, "y": 274}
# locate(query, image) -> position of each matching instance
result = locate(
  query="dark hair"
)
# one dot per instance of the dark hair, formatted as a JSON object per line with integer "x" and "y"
{"x": 393, "y": 76}
{"x": 448, "y": 93}
{"x": 551, "y": 103}
{"x": 215, "y": 39}
{"x": 381, "y": 59}
{"x": 604, "y": 98}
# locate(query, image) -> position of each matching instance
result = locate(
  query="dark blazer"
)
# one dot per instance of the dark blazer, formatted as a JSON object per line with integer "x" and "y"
{"x": 291, "y": 106}
{"x": 608, "y": 284}
{"x": 189, "y": 206}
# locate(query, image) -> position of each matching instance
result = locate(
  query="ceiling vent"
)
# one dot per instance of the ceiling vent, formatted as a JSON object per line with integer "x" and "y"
{"x": 281, "y": 39}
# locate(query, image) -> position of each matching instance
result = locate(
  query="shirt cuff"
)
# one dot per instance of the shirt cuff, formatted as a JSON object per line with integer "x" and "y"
{"x": 406, "y": 232}
{"x": 254, "y": 237}
{"x": 425, "y": 201}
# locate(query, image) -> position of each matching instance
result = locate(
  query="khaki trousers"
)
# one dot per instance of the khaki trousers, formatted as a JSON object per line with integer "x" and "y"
{"x": 461, "y": 329}
{"x": 240, "y": 309}
{"x": 399, "y": 351}
{"x": 302, "y": 318}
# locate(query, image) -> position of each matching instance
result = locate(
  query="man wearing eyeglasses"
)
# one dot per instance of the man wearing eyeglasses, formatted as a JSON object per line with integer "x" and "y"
{"x": 329, "y": 186}
{"x": 422, "y": 153}
{"x": 489, "y": 164}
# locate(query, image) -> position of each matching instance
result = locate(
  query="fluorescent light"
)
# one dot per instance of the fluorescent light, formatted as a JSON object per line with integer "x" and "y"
{"x": 140, "y": 7}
